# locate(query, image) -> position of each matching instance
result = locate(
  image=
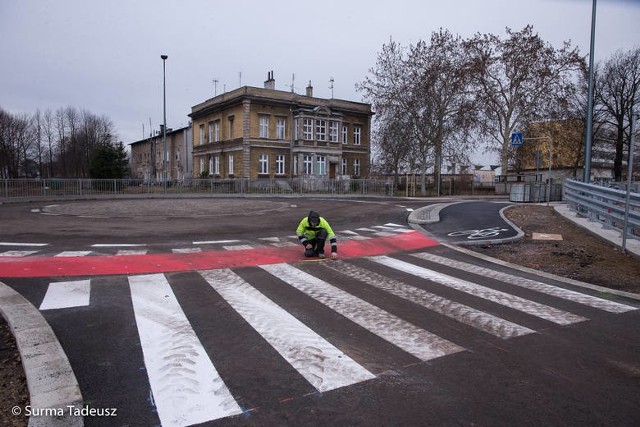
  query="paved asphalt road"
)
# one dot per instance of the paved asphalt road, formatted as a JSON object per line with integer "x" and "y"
{"x": 400, "y": 331}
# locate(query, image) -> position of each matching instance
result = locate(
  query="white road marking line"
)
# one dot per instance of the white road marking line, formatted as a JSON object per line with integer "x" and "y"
{"x": 72, "y": 253}
{"x": 464, "y": 314}
{"x": 118, "y": 245}
{"x": 17, "y": 253}
{"x": 610, "y": 306}
{"x": 214, "y": 242}
{"x": 348, "y": 232}
{"x": 237, "y": 247}
{"x": 270, "y": 239}
{"x": 530, "y": 307}
{"x": 392, "y": 229}
{"x": 391, "y": 224}
{"x": 22, "y": 244}
{"x": 186, "y": 387}
{"x": 132, "y": 252}
{"x": 412, "y": 339}
{"x": 324, "y": 366}
{"x": 186, "y": 250}
{"x": 66, "y": 294}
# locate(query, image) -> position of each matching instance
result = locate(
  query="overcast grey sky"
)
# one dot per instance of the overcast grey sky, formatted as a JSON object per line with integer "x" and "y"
{"x": 105, "y": 56}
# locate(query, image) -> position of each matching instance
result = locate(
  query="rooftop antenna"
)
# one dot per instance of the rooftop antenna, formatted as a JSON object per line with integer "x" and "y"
{"x": 331, "y": 85}
{"x": 215, "y": 87}
{"x": 240, "y": 78}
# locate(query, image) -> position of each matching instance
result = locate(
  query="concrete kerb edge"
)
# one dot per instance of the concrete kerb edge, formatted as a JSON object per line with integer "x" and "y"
{"x": 50, "y": 378}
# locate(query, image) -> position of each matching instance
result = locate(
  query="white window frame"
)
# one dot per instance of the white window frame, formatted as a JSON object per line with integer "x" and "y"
{"x": 264, "y": 126}
{"x": 281, "y": 129}
{"x": 216, "y": 165}
{"x": 307, "y": 165}
{"x": 201, "y": 165}
{"x": 216, "y": 131}
{"x": 307, "y": 129}
{"x": 345, "y": 134}
{"x": 356, "y": 167}
{"x": 321, "y": 165}
{"x": 321, "y": 129}
{"x": 210, "y": 131}
{"x": 333, "y": 131}
{"x": 263, "y": 164}
{"x": 280, "y": 163}
{"x": 201, "y": 134}
{"x": 357, "y": 135}
{"x": 344, "y": 166}
{"x": 210, "y": 165}
{"x": 230, "y": 164}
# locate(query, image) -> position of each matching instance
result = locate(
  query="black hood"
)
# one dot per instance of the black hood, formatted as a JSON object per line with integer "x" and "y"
{"x": 314, "y": 217}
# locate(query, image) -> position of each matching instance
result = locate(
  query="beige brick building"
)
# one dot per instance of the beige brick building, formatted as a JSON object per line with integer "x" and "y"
{"x": 266, "y": 133}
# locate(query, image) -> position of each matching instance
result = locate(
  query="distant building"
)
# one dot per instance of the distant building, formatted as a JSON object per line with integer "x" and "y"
{"x": 267, "y": 133}
{"x": 146, "y": 155}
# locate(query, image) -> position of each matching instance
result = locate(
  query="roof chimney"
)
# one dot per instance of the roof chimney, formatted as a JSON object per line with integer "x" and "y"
{"x": 270, "y": 83}
{"x": 309, "y": 89}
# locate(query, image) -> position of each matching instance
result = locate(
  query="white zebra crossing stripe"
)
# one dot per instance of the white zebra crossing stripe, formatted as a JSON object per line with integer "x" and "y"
{"x": 73, "y": 253}
{"x": 132, "y": 252}
{"x": 610, "y": 306}
{"x": 460, "y": 312}
{"x": 66, "y": 294}
{"x": 186, "y": 387}
{"x": 17, "y": 253}
{"x": 530, "y": 307}
{"x": 319, "y": 362}
{"x": 416, "y": 341}
{"x": 186, "y": 250}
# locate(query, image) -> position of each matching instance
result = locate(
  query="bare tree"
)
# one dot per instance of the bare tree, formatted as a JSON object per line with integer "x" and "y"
{"x": 515, "y": 78}
{"x": 617, "y": 92}
{"x": 427, "y": 85}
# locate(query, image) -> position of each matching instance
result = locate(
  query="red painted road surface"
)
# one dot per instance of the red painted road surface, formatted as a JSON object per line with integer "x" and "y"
{"x": 162, "y": 263}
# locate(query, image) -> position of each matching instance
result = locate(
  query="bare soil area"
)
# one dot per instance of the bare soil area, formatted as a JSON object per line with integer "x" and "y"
{"x": 580, "y": 255}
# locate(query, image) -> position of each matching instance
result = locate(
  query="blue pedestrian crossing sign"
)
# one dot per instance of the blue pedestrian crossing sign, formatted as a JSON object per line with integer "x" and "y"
{"x": 516, "y": 139}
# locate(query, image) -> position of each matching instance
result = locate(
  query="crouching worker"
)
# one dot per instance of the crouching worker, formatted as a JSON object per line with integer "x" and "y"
{"x": 312, "y": 232}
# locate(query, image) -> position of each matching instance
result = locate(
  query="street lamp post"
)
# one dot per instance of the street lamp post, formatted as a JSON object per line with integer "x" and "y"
{"x": 164, "y": 124}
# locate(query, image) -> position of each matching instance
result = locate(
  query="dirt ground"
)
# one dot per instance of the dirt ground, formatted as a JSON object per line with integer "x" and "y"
{"x": 579, "y": 255}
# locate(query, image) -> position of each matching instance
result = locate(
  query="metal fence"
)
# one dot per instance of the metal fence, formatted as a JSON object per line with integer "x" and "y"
{"x": 27, "y": 189}
{"x": 606, "y": 205}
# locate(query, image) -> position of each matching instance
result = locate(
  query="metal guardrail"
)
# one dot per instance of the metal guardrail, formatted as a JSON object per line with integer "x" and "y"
{"x": 27, "y": 189}
{"x": 605, "y": 205}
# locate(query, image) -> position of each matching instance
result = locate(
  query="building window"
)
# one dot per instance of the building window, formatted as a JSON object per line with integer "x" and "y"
{"x": 307, "y": 129}
{"x": 356, "y": 167}
{"x": 264, "y": 127}
{"x": 210, "y": 166}
{"x": 321, "y": 164}
{"x": 321, "y": 130}
{"x": 280, "y": 126}
{"x": 201, "y": 134}
{"x": 343, "y": 168}
{"x": 345, "y": 133}
{"x": 231, "y": 127}
{"x": 307, "y": 165}
{"x": 280, "y": 164}
{"x": 201, "y": 165}
{"x": 210, "y": 132}
{"x": 216, "y": 131}
{"x": 263, "y": 164}
{"x": 333, "y": 131}
{"x": 230, "y": 164}
{"x": 357, "y": 132}
{"x": 216, "y": 165}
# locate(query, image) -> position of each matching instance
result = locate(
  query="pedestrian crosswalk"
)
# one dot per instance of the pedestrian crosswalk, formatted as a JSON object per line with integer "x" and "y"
{"x": 286, "y": 305}
{"x": 117, "y": 249}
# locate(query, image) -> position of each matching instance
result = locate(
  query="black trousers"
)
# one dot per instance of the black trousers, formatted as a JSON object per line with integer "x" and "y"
{"x": 317, "y": 244}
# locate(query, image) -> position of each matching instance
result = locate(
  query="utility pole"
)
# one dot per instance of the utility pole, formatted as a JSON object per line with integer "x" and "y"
{"x": 164, "y": 123}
